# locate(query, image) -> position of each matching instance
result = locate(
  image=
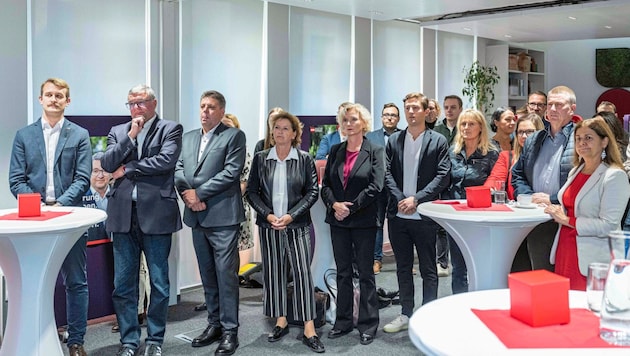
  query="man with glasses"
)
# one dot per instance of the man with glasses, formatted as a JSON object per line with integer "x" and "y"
{"x": 52, "y": 157}
{"x": 537, "y": 103}
{"x": 389, "y": 117}
{"x": 142, "y": 214}
{"x": 96, "y": 196}
{"x": 543, "y": 168}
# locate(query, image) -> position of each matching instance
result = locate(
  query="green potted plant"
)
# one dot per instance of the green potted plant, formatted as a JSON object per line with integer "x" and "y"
{"x": 479, "y": 85}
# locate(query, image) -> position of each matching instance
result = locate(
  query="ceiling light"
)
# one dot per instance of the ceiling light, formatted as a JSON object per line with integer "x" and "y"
{"x": 375, "y": 12}
{"x": 507, "y": 36}
{"x": 572, "y": 18}
{"x": 467, "y": 29}
{"x": 608, "y": 27}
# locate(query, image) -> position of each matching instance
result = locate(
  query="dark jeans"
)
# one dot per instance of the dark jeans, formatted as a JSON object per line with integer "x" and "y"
{"x": 442, "y": 247}
{"x": 127, "y": 248}
{"x": 539, "y": 242}
{"x": 346, "y": 243}
{"x": 459, "y": 277}
{"x": 381, "y": 202}
{"x": 74, "y": 274}
{"x": 404, "y": 234}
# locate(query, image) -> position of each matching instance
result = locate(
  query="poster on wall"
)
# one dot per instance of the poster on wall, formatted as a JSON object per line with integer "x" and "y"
{"x": 316, "y": 127}
{"x": 98, "y": 127}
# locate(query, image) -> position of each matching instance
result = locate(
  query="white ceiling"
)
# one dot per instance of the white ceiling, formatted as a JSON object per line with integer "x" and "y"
{"x": 593, "y": 18}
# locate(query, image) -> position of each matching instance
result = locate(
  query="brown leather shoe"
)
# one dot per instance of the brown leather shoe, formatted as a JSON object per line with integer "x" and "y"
{"x": 76, "y": 350}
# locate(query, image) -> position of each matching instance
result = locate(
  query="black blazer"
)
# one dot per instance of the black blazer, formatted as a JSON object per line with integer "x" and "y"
{"x": 365, "y": 182}
{"x": 434, "y": 169}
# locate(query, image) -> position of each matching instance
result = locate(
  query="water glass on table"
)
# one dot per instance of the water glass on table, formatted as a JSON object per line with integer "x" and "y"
{"x": 614, "y": 324}
{"x": 500, "y": 195}
{"x": 595, "y": 282}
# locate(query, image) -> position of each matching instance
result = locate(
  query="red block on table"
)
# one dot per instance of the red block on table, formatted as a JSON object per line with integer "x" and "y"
{"x": 478, "y": 197}
{"x": 539, "y": 298}
{"x": 29, "y": 204}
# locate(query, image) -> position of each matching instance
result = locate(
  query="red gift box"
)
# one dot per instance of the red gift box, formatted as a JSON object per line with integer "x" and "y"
{"x": 478, "y": 197}
{"x": 29, "y": 204}
{"x": 539, "y": 298}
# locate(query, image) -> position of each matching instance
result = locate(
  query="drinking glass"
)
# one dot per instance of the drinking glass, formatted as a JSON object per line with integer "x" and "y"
{"x": 595, "y": 282}
{"x": 614, "y": 325}
{"x": 500, "y": 195}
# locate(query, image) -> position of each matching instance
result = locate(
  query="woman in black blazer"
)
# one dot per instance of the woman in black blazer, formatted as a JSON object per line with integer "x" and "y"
{"x": 353, "y": 178}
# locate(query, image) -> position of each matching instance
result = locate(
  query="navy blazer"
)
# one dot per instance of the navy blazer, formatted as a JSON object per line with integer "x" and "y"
{"x": 364, "y": 183}
{"x": 72, "y": 166}
{"x": 434, "y": 169}
{"x": 215, "y": 178}
{"x": 152, "y": 175}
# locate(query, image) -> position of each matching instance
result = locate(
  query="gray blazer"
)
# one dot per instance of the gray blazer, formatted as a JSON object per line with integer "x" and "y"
{"x": 73, "y": 163}
{"x": 599, "y": 206}
{"x": 216, "y": 177}
{"x": 152, "y": 175}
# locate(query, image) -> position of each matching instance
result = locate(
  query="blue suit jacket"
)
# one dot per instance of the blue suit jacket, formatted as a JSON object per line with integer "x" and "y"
{"x": 158, "y": 210}
{"x": 215, "y": 177}
{"x": 326, "y": 144}
{"x": 72, "y": 165}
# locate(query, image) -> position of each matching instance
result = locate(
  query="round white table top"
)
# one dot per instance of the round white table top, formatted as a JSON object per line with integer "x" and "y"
{"x": 446, "y": 211}
{"x": 447, "y": 326}
{"x": 78, "y": 217}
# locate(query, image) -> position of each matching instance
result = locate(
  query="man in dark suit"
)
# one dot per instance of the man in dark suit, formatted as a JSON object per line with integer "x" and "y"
{"x": 417, "y": 171}
{"x": 142, "y": 214}
{"x": 53, "y": 157}
{"x": 208, "y": 179}
{"x": 390, "y": 116}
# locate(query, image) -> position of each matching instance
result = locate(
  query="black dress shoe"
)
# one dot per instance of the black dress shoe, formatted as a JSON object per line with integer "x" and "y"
{"x": 366, "y": 339}
{"x": 208, "y": 336}
{"x": 277, "y": 333}
{"x": 115, "y": 327}
{"x": 313, "y": 343}
{"x": 335, "y": 333}
{"x": 228, "y": 345}
{"x": 201, "y": 307}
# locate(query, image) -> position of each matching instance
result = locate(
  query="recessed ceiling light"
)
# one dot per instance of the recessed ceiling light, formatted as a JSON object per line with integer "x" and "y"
{"x": 608, "y": 27}
{"x": 572, "y": 18}
{"x": 467, "y": 29}
{"x": 507, "y": 36}
{"x": 376, "y": 12}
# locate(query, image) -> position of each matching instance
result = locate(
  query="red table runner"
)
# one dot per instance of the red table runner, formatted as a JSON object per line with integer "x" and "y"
{"x": 493, "y": 207}
{"x": 46, "y": 215}
{"x": 581, "y": 332}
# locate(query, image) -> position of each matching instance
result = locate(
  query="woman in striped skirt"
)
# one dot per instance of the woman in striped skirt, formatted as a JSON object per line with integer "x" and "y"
{"x": 282, "y": 187}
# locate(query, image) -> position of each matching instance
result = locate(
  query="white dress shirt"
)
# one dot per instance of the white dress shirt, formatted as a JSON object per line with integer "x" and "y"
{"x": 51, "y": 138}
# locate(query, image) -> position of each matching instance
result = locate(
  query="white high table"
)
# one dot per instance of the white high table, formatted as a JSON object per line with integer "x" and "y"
{"x": 447, "y": 326}
{"x": 31, "y": 254}
{"x": 488, "y": 239}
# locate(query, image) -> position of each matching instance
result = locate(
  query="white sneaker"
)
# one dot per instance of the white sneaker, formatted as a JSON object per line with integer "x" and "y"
{"x": 442, "y": 272}
{"x": 400, "y": 323}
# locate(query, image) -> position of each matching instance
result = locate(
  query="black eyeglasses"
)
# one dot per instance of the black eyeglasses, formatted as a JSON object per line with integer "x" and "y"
{"x": 138, "y": 104}
{"x": 536, "y": 105}
{"x": 525, "y": 132}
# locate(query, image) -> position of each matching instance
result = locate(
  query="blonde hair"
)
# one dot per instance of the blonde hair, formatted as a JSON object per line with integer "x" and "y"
{"x": 58, "y": 82}
{"x": 364, "y": 115}
{"x": 484, "y": 144}
{"x": 234, "y": 120}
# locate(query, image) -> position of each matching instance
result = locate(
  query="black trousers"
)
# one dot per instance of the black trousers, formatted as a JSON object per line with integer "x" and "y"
{"x": 355, "y": 244}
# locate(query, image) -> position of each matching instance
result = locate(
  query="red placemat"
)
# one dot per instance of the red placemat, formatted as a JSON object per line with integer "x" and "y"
{"x": 581, "y": 332}
{"x": 493, "y": 207}
{"x": 46, "y": 215}
{"x": 449, "y": 202}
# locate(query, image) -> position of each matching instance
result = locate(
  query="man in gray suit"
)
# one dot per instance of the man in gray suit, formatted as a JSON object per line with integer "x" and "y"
{"x": 207, "y": 178}
{"x": 53, "y": 157}
{"x": 142, "y": 214}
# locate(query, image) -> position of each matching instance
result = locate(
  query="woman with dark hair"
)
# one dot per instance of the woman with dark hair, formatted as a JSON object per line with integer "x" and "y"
{"x": 592, "y": 202}
{"x": 282, "y": 188}
{"x": 503, "y": 122}
{"x": 266, "y": 142}
{"x": 502, "y": 170}
{"x": 354, "y": 176}
{"x": 621, "y": 136}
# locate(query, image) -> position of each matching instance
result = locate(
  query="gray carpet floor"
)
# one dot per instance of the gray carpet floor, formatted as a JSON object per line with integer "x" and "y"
{"x": 184, "y": 322}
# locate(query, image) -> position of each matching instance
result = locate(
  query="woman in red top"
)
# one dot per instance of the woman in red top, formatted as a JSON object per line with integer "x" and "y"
{"x": 502, "y": 170}
{"x": 592, "y": 201}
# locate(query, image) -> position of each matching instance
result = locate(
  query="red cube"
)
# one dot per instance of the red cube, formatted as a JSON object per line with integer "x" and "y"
{"x": 539, "y": 298}
{"x": 29, "y": 204}
{"x": 478, "y": 197}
